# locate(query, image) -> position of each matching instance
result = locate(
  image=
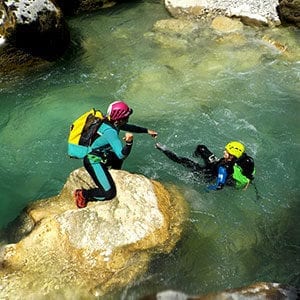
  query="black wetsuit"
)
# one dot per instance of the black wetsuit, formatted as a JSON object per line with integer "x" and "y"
{"x": 211, "y": 167}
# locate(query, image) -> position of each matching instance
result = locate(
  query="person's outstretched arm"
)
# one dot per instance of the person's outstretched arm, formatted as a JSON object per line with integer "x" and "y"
{"x": 138, "y": 129}
{"x": 186, "y": 162}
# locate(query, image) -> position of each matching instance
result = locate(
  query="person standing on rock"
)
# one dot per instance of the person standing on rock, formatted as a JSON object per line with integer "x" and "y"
{"x": 235, "y": 168}
{"x": 107, "y": 152}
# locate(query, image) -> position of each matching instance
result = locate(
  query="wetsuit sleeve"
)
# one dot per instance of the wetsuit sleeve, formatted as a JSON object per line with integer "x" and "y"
{"x": 134, "y": 128}
{"x": 221, "y": 179}
{"x": 127, "y": 149}
{"x": 186, "y": 162}
{"x": 112, "y": 138}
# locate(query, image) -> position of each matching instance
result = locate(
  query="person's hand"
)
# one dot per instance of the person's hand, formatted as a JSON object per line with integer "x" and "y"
{"x": 153, "y": 133}
{"x": 245, "y": 188}
{"x": 128, "y": 138}
{"x": 160, "y": 147}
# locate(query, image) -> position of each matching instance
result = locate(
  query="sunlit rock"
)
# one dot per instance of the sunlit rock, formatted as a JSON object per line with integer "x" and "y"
{"x": 172, "y": 33}
{"x": 236, "y": 39}
{"x": 260, "y": 290}
{"x": 2, "y": 40}
{"x": 224, "y": 24}
{"x": 250, "y": 12}
{"x": 59, "y": 249}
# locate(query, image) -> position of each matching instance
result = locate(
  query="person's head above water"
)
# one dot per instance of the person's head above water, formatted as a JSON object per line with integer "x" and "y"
{"x": 118, "y": 111}
{"x": 235, "y": 149}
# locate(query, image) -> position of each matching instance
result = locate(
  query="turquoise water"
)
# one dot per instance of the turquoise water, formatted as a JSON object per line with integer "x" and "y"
{"x": 192, "y": 88}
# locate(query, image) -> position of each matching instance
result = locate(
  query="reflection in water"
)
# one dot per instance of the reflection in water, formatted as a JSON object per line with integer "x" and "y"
{"x": 193, "y": 88}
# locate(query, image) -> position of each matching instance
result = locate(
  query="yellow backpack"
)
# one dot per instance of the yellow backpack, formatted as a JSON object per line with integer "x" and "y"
{"x": 83, "y": 132}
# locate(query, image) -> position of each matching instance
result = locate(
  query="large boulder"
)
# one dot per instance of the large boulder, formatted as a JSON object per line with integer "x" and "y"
{"x": 251, "y": 12}
{"x": 37, "y": 26}
{"x": 58, "y": 250}
{"x": 289, "y": 12}
{"x": 32, "y": 34}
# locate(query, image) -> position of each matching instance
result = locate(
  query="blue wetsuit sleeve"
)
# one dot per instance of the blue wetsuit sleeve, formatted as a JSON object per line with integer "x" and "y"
{"x": 221, "y": 179}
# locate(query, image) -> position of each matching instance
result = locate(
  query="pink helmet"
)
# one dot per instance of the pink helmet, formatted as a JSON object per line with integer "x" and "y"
{"x": 118, "y": 110}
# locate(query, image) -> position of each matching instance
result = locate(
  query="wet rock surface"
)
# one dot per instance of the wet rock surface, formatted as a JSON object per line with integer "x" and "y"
{"x": 57, "y": 249}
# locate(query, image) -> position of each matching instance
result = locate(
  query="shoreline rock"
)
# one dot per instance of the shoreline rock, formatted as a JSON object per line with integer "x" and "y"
{"x": 249, "y": 12}
{"x": 289, "y": 12}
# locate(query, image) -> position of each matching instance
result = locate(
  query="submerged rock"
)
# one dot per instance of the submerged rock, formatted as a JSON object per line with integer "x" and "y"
{"x": 63, "y": 250}
{"x": 227, "y": 25}
{"x": 260, "y": 290}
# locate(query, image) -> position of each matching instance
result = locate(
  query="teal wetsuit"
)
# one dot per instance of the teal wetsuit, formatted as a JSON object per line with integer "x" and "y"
{"x": 107, "y": 151}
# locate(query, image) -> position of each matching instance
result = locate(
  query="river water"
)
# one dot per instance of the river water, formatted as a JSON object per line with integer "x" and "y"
{"x": 196, "y": 88}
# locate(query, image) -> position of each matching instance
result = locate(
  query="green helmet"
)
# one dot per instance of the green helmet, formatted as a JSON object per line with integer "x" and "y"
{"x": 236, "y": 149}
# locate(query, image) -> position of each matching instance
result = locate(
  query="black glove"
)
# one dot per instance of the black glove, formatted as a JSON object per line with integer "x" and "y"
{"x": 202, "y": 151}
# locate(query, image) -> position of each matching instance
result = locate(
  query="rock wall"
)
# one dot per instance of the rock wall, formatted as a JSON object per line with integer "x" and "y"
{"x": 289, "y": 12}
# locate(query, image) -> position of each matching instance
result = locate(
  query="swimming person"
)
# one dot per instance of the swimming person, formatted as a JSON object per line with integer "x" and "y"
{"x": 236, "y": 168}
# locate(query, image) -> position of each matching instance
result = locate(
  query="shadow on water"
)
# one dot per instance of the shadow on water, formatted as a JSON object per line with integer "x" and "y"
{"x": 46, "y": 72}
{"x": 18, "y": 229}
{"x": 279, "y": 250}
